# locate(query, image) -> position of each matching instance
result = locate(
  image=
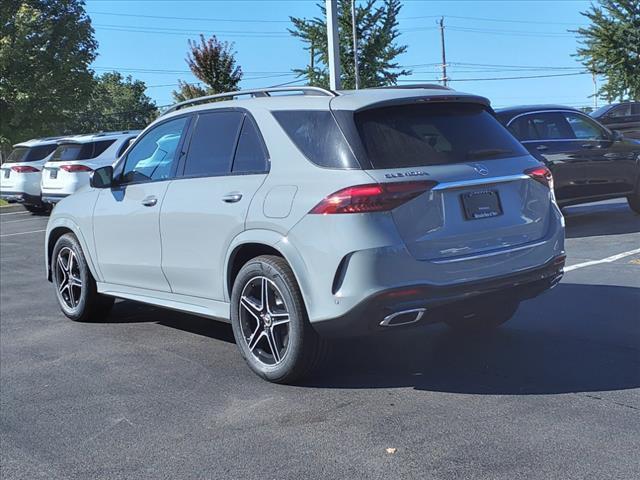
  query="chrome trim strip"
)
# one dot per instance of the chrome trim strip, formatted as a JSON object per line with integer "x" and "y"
{"x": 555, "y": 110}
{"x": 480, "y": 181}
{"x": 418, "y": 311}
{"x": 492, "y": 253}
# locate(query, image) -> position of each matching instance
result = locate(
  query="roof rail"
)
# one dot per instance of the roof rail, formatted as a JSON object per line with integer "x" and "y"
{"x": 257, "y": 92}
{"x": 429, "y": 86}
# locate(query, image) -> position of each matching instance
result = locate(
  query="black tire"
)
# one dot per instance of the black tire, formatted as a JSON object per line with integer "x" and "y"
{"x": 80, "y": 303}
{"x": 38, "y": 209}
{"x": 634, "y": 202}
{"x": 482, "y": 319}
{"x": 302, "y": 348}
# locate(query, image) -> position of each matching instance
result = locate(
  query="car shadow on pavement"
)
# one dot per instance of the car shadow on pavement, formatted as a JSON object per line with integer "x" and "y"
{"x": 574, "y": 338}
{"x": 598, "y": 220}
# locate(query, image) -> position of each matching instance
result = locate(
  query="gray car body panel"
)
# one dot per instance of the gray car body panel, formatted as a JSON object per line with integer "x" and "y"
{"x": 374, "y": 252}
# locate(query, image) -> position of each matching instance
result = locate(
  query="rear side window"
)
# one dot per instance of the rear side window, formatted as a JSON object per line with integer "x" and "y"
{"x": 30, "y": 154}
{"x": 80, "y": 151}
{"x": 318, "y": 137}
{"x": 250, "y": 154}
{"x": 436, "y": 134}
{"x": 212, "y": 144}
{"x": 542, "y": 126}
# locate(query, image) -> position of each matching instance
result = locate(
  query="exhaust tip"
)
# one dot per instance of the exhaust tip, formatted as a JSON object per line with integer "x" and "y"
{"x": 403, "y": 317}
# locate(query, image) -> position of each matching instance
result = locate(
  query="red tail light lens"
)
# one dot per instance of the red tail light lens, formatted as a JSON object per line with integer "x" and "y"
{"x": 542, "y": 175}
{"x": 24, "y": 169}
{"x": 374, "y": 197}
{"x": 75, "y": 168}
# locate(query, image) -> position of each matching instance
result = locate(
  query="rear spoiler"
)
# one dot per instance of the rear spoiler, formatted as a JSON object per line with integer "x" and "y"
{"x": 428, "y": 100}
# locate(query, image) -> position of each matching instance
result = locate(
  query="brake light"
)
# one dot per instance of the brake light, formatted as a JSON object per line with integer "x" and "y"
{"x": 75, "y": 168}
{"x": 374, "y": 197}
{"x": 24, "y": 169}
{"x": 542, "y": 175}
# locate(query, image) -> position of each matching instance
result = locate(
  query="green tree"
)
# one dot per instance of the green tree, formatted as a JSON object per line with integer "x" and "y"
{"x": 45, "y": 51}
{"x": 116, "y": 103}
{"x": 377, "y": 32}
{"x": 213, "y": 63}
{"x": 610, "y": 46}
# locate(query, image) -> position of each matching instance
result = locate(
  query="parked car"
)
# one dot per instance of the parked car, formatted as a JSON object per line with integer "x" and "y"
{"x": 589, "y": 162}
{"x": 302, "y": 217}
{"x": 20, "y": 173}
{"x": 75, "y": 158}
{"x": 623, "y": 117}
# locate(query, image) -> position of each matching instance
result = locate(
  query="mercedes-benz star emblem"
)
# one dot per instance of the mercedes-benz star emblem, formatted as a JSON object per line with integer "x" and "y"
{"x": 481, "y": 169}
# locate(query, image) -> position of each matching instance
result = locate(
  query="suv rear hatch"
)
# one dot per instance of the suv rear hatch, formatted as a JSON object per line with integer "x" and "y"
{"x": 21, "y": 157}
{"x": 482, "y": 202}
{"x": 68, "y": 160}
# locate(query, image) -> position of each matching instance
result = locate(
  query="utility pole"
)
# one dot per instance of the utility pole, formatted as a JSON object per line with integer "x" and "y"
{"x": 355, "y": 43}
{"x": 333, "y": 44}
{"x": 444, "y": 56}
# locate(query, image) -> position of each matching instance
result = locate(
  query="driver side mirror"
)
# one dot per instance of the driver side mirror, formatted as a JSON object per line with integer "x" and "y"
{"x": 616, "y": 135}
{"x": 102, "y": 177}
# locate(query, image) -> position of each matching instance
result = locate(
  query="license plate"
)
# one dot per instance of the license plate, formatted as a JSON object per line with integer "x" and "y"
{"x": 53, "y": 173}
{"x": 481, "y": 204}
{"x": 7, "y": 172}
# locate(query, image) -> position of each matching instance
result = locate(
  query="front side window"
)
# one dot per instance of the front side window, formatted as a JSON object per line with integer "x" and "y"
{"x": 153, "y": 157}
{"x": 212, "y": 144}
{"x": 620, "y": 111}
{"x": 30, "y": 154}
{"x": 583, "y": 128}
{"x": 421, "y": 135}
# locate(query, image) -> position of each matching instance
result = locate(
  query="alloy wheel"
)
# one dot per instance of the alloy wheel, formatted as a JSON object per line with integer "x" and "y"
{"x": 264, "y": 320}
{"x": 68, "y": 277}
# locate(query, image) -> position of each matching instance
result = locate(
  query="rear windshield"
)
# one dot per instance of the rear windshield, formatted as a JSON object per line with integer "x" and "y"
{"x": 436, "y": 134}
{"x": 30, "y": 154}
{"x": 80, "y": 151}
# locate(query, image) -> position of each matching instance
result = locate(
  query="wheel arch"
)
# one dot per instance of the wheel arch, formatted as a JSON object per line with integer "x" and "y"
{"x": 59, "y": 228}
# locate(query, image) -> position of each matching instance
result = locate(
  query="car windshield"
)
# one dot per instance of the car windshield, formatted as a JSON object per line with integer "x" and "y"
{"x": 30, "y": 154}
{"x": 436, "y": 134}
{"x": 601, "y": 111}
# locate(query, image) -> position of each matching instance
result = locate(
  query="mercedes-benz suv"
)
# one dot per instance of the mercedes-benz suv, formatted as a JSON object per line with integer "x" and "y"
{"x": 298, "y": 214}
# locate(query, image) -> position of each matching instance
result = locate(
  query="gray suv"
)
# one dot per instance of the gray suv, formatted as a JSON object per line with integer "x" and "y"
{"x": 298, "y": 214}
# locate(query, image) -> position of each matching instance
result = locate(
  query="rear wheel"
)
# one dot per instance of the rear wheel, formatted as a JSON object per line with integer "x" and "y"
{"x": 39, "y": 209}
{"x": 270, "y": 322}
{"x": 482, "y": 318}
{"x": 75, "y": 286}
{"x": 634, "y": 202}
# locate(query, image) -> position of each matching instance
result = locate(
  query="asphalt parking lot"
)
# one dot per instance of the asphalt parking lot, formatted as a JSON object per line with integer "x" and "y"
{"x": 156, "y": 394}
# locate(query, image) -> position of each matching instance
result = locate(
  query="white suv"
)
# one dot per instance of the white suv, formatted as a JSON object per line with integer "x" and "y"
{"x": 69, "y": 167}
{"x": 20, "y": 173}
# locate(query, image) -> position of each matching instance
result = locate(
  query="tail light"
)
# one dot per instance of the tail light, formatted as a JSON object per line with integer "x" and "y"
{"x": 24, "y": 169}
{"x": 542, "y": 175}
{"x": 75, "y": 168}
{"x": 373, "y": 197}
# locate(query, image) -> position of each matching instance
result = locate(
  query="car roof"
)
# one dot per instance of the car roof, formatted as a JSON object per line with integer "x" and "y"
{"x": 520, "y": 109}
{"x": 342, "y": 100}
{"x": 35, "y": 142}
{"x": 92, "y": 137}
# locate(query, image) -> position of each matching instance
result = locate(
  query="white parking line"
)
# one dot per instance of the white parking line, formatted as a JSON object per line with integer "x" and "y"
{"x": 21, "y": 233}
{"x": 21, "y": 220}
{"x": 14, "y": 213}
{"x": 613, "y": 258}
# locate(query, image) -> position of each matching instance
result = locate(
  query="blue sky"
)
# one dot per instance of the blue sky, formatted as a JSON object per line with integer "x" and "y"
{"x": 485, "y": 39}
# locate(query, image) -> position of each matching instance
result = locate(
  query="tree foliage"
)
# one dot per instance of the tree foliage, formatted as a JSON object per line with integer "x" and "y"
{"x": 377, "y": 32}
{"x": 45, "y": 51}
{"x": 116, "y": 103}
{"x": 213, "y": 63}
{"x": 610, "y": 46}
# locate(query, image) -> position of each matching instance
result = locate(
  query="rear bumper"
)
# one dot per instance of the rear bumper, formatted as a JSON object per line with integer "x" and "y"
{"x": 53, "y": 197}
{"x": 21, "y": 197}
{"x": 435, "y": 302}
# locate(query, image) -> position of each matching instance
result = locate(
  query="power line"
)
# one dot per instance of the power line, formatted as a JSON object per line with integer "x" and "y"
{"x": 190, "y": 33}
{"x": 252, "y": 32}
{"x": 493, "y": 78}
{"x": 200, "y": 19}
{"x": 500, "y": 20}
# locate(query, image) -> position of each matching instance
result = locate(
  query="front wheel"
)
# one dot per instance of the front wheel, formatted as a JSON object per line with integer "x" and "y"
{"x": 75, "y": 286}
{"x": 270, "y": 322}
{"x": 483, "y": 318}
{"x": 39, "y": 209}
{"x": 634, "y": 202}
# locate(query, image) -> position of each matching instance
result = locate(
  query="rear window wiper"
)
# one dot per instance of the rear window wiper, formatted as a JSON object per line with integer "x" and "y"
{"x": 488, "y": 152}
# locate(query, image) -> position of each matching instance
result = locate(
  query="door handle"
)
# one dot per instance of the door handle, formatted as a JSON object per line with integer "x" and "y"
{"x": 542, "y": 148}
{"x": 232, "y": 197}
{"x": 149, "y": 201}
{"x": 588, "y": 146}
